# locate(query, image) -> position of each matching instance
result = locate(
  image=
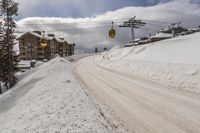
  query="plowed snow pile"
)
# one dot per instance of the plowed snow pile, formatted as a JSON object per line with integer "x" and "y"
{"x": 174, "y": 62}
{"x": 50, "y": 100}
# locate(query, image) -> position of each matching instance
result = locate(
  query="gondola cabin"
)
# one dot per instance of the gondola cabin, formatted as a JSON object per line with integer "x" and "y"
{"x": 43, "y": 42}
{"x": 112, "y": 33}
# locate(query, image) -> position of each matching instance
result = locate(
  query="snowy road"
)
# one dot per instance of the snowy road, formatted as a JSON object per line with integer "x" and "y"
{"x": 146, "y": 107}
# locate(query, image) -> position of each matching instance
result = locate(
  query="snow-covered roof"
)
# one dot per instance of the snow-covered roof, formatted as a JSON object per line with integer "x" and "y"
{"x": 46, "y": 36}
{"x": 143, "y": 41}
{"x": 194, "y": 29}
{"x": 138, "y": 39}
{"x": 49, "y": 37}
{"x": 162, "y": 35}
{"x": 129, "y": 45}
{"x": 40, "y": 36}
{"x": 32, "y": 33}
{"x": 60, "y": 40}
{"x": 165, "y": 29}
{"x": 35, "y": 34}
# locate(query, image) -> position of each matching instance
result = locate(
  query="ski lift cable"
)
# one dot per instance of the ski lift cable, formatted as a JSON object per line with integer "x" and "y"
{"x": 68, "y": 26}
{"x": 61, "y": 26}
{"x": 156, "y": 25}
{"x": 76, "y": 23}
{"x": 87, "y": 23}
{"x": 154, "y": 21}
{"x": 81, "y": 25}
{"x": 61, "y": 23}
{"x": 146, "y": 29}
{"x": 49, "y": 28}
{"x": 65, "y": 29}
{"x": 75, "y": 26}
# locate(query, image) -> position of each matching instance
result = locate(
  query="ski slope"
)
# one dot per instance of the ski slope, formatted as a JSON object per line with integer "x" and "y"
{"x": 174, "y": 62}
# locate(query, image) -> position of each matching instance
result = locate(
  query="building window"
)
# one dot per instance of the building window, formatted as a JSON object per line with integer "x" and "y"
{"x": 22, "y": 44}
{"x": 30, "y": 44}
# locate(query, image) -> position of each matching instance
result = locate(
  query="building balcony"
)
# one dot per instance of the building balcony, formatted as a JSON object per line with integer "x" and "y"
{"x": 22, "y": 50}
{"x": 41, "y": 52}
{"x": 41, "y": 56}
{"x": 29, "y": 51}
{"x": 22, "y": 56}
{"x": 22, "y": 46}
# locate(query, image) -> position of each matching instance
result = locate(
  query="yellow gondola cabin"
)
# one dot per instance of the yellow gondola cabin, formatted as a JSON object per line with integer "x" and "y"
{"x": 43, "y": 42}
{"x": 112, "y": 31}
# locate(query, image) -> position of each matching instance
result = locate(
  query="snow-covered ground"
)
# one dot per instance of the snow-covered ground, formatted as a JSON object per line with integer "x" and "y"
{"x": 174, "y": 62}
{"x": 145, "y": 107}
{"x": 50, "y": 100}
{"x": 26, "y": 69}
{"x": 26, "y": 63}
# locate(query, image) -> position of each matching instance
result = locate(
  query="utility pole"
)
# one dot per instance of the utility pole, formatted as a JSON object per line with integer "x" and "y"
{"x": 96, "y": 50}
{"x": 132, "y": 23}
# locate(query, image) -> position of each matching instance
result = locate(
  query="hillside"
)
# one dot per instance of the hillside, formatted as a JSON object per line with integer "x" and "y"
{"x": 50, "y": 100}
{"x": 174, "y": 62}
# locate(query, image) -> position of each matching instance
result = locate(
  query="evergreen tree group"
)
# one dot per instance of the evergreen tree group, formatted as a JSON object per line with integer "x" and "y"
{"x": 8, "y": 9}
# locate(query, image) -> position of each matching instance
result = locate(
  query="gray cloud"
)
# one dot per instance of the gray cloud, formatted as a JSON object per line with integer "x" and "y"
{"x": 186, "y": 11}
{"x": 75, "y": 8}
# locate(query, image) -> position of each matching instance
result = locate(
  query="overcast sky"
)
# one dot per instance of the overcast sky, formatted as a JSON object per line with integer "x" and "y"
{"x": 75, "y": 8}
{"x": 84, "y": 13}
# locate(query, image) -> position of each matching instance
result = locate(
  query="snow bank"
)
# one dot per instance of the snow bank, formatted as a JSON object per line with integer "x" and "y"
{"x": 49, "y": 100}
{"x": 174, "y": 62}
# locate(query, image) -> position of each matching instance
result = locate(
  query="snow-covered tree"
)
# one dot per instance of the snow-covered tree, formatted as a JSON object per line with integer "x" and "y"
{"x": 8, "y": 9}
{"x": 1, "y": 55}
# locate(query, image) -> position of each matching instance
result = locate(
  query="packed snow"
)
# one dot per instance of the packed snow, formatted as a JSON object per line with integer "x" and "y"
{"x": 50, "y": 100}
{"x": 174, "y": 62}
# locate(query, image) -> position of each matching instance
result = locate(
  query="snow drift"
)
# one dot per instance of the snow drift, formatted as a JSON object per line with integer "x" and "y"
{"x": 49, "y": 100}
{"x": 174, "y": 62}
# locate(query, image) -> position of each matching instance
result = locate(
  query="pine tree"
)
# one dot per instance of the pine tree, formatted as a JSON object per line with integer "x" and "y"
{"x": 1, "y": 56}
{"x": 8, "y": 9}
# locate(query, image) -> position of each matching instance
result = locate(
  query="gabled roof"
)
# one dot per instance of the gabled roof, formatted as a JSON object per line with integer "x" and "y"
{"x": 32, "y": 33}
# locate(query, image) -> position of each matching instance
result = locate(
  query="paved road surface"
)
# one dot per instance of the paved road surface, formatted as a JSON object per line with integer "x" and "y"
{"x": 146, "y": 107}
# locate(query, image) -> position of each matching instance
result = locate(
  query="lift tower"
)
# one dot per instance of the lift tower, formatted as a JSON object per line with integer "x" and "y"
{"x": 132, "y": 23}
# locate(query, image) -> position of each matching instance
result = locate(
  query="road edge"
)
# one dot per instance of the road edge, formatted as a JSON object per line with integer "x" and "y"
{"x": 113, "y": 120}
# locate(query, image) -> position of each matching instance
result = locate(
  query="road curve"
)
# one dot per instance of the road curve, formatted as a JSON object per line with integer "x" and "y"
{"x": 146, "y": 107}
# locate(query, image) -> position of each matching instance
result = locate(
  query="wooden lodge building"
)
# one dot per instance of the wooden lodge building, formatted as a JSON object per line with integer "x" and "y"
{"x": 30, "y": 46}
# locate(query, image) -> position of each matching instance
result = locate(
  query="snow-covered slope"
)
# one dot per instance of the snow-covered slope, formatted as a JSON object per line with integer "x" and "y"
{"x": 174, "y": 62}
{"x": 183, "y": 49}
{"x": 50, "y": 100}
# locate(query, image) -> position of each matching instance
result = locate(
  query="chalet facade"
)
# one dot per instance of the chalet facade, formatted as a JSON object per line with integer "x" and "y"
{"x": 30, "y": 47}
